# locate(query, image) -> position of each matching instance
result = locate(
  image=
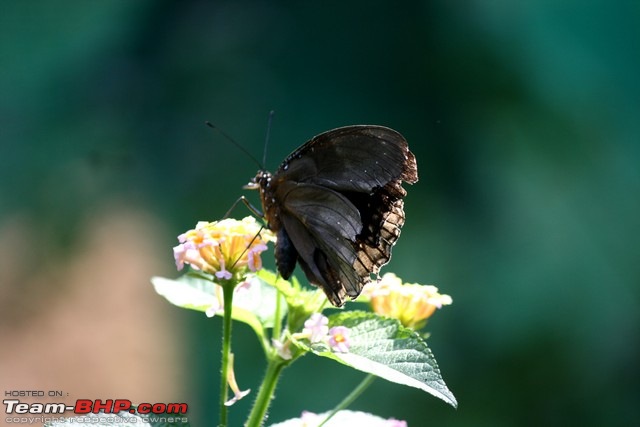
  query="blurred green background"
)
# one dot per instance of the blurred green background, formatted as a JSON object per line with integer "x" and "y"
{"x": 524, "y": 118}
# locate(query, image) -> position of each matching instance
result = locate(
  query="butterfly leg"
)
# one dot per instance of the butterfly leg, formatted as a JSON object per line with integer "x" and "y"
{"x": 255, "y": 211}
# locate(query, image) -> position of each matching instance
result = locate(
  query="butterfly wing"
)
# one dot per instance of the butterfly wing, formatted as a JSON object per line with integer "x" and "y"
{"x": 322, "y": 225}
{"x": 353, "y": 158}
{"x": 336, "y": 204}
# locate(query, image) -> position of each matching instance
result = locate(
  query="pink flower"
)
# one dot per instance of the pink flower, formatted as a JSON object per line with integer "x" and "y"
{"x": 339, "y": 339}
{"x": 315, "y": 328}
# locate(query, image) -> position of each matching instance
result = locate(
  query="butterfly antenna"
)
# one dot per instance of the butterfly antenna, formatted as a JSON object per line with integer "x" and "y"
{"x": 231, "y": 140}
{"x": 266, "y": 138}
{"x": 247, "y": 248}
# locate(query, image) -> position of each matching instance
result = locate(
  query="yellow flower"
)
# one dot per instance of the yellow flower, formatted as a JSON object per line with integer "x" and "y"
{"x": 410, "y": 303}
{"x": 223, "y": 248}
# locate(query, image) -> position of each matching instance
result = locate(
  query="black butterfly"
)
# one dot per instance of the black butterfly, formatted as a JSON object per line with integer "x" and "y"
{"x": 336, "y": 206}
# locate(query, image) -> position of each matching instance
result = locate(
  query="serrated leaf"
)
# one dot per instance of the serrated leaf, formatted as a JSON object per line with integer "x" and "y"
{"x": 383, "y": 347}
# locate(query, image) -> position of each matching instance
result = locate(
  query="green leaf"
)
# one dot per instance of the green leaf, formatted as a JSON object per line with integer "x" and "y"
{"x": 253, "y": 305}
{"x": 383, "y": 347}
{"x": 187, "y": 292}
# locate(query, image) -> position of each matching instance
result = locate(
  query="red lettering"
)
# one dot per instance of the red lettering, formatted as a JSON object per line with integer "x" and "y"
{"x": 83, "y": 406}
{"x": 121, "y": 405}
{"x": 177, "y": 408}
{"x": 107, "y": 406}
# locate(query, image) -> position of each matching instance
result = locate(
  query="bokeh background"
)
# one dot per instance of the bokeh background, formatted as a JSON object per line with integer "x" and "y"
{"x": 524, "y": 118}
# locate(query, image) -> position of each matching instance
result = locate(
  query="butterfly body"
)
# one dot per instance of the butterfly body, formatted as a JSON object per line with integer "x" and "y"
{"x": 336, "y": 206}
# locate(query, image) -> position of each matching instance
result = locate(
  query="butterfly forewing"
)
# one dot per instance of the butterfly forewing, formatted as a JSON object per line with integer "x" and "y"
{"x": 337, "y": 203}
{"x": 352, "y": 158}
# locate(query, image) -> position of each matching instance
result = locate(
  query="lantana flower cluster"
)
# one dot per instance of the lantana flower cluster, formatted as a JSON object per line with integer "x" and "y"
{"x": 223, "y": 248}
{"x": 411, "y": 303}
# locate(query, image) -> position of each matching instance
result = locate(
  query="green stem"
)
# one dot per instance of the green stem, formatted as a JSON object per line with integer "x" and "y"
{"x": 277, "y": 326}
{"x": 260, "y": 406}
{"x": 360, "y": 388}
{"x": 227, "y": 291}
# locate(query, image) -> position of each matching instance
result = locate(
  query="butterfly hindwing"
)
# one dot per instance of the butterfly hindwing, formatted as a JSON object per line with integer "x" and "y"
{"x": 322, "y": 224}
{"x": 321, "y": 265}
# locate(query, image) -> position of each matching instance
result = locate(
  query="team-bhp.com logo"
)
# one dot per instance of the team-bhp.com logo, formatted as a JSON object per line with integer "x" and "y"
{"x": 18, "y": 411}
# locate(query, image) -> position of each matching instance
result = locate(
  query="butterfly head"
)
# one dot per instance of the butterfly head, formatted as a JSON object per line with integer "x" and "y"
{"x": 261, "y": 180}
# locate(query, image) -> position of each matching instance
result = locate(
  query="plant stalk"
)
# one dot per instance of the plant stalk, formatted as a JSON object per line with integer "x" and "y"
{"x": 227, "y": 291}
{"x": 360, "y": 388}
{"x": 265, "y": 394}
